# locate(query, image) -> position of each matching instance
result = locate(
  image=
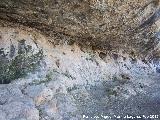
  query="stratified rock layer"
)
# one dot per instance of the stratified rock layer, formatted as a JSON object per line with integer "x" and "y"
{"x": 107, "y": 25}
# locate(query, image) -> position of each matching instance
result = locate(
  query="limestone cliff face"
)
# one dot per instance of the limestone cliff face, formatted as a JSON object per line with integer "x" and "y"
{"x": 107, "y": 25}
{"x": 67, "y": 82}
{"x": 79, "y": 59}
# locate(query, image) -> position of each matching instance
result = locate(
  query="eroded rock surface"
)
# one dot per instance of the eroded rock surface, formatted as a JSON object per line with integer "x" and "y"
{"x": 79, "y": 60}
{"x": 72, "y": 83}
{"x": 108, "y": 25}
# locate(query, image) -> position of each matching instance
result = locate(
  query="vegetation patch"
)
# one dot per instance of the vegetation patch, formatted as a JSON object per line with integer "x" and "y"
{"x": 19, "y": 67}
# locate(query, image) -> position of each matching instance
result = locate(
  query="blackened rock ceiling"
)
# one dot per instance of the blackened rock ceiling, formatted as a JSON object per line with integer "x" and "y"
{"x": 107, "y": 25}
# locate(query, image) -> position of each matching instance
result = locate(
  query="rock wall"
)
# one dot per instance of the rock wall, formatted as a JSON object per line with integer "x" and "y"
{"x": 71, "y": 82}
{"x": 81, "y": 59}
{"x": 108, "y": 25}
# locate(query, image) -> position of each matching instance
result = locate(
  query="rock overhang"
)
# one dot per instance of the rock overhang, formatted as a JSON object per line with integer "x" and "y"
{"x": 105, "y": 25}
